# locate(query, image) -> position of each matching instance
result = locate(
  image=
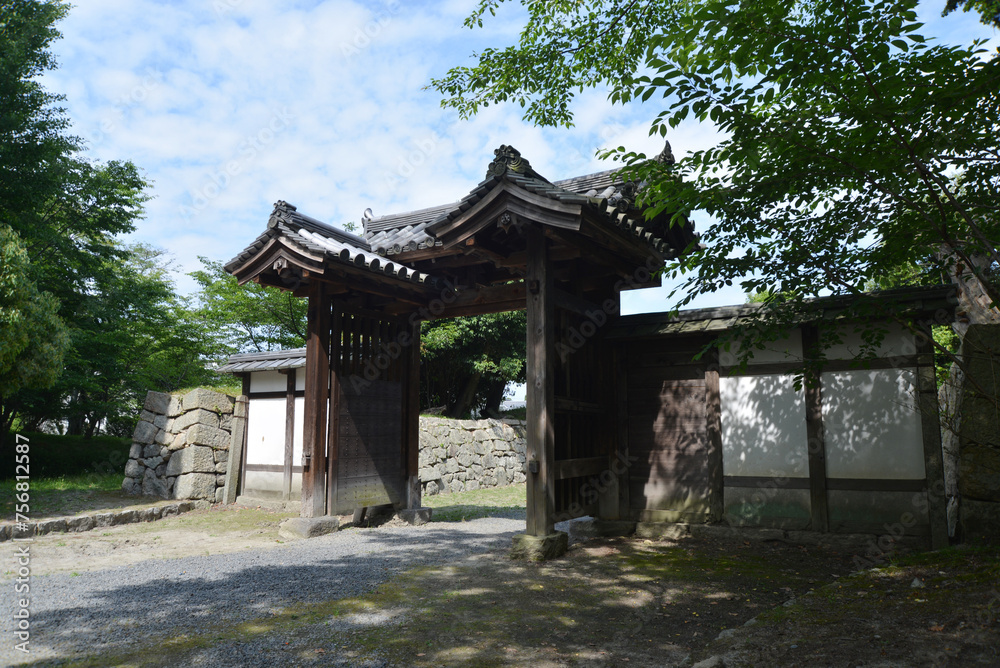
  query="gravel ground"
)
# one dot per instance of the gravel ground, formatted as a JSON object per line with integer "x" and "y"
{"x": 118, "y": 609}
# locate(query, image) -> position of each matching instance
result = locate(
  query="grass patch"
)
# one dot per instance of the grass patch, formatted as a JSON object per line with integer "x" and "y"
{"x": 493, "y": 502}
{"x": 68, "y": 495}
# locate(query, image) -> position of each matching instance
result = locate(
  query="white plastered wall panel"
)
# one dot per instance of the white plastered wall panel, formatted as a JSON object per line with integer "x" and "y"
{"x": 763, "y": 427}
{"x": 787, "y": 349}
{"x": 271, "y": 381}
{"x": 871, "y": 424}
{"x": 897, "y": 341}
{"x": 266, "y": 432}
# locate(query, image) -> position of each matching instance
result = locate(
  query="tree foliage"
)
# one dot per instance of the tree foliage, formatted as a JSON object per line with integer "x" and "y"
{"x": 467, "y": 363}
{"x": 851, "y": 144}
{"x": 250, "y": 317}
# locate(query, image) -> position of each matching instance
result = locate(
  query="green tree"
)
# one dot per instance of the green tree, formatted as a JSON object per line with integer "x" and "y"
{"x": 33, "y": 339}
{"x": 851, "y": 144}
{"x": 130, "y": 333}
{"x": 251, "y": 317}
{"x": 989, "y": 10}
{"x": 467, "y": 363}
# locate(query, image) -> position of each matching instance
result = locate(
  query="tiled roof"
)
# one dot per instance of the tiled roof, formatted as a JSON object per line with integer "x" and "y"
{"x": 268, "y": 361}
{"x": 334, "y": 244}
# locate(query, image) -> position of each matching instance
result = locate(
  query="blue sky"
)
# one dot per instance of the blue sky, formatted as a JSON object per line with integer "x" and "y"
{"x": 230, "y": 105}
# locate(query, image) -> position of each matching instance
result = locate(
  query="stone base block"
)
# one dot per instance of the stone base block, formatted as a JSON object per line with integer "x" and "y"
{"x": 661, "y": 530}
{"x": 415, "y": 516}
{"x": 586, "y": 527}
{"x": 539, "y": 548}
{"x": 308, "y": 527}
{"x": 979, "y": 521}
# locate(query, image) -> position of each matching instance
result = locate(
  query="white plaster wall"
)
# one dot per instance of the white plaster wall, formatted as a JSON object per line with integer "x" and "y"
{"x": 763, "y": 427}
{"x": 783, "y": 350}
{"x": 872, "y": 426}
{"x": 897, "y": 341}
{"x": 266, "y": 431}
{"x": 269, "y": 482}
{"x": 269, "y": 381}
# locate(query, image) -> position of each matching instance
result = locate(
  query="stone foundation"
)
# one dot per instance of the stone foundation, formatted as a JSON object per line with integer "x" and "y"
{"x": 180, "y": 447}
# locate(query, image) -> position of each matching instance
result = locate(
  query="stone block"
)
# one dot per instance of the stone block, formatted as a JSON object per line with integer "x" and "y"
{"x": 432, "y": 488}
{"x": 26, "y": 530}
{"x": 585, "y": 527}
{"x": 161, "y": 470}
{"x": 427, "y": 474}
{"x": 195, "y": 486}
{"x": 226, "y": 422}
{"x": 220, "y": 494}
{"x": 979, "y": 521}
{"x": 457, "y": 486}
{"x": 146, "y": 416}
{"x": 145, "y": 432}
{"x": 124, "y": 517}
{"x": 161, "y": 421}
{"x": 133, "y": 469}
{"x": 194, "y": 459}
{"x": 175, "y": 407}
{"x": 185, "y": 506}
{"x": 196, "y": 416}
{"x": 451, "y": 466}
{"x": 220, "y": 467}
{"x": 488, "y": 461}
{"x": 208, "y": 400}
{"x": 464, "y": 459}
{"x": 471, "y": 485}
{"x": 502, "y": 479}
{"x": 5, "y": 532}
{"x": 213, "y": 437}
{"x": 415, "y": 516}
{"x": 153, "y": 462}
{"x": 135, "y": 452}
{"x": 660, "y": 530}
{"x": 308, "y": 527}
{"x": 162, "y": 437}
{"x": 979, "y": 472}
{"x": 149, "y": 514}
{"x": 220, "y": 480}
{"x": 169, "y": 511}
{"x": 221, "y": 456}
{"x": 180, "y": 440}
{"x": 103, "y": 519}
{"x": 80, "y": 524}
{"x": 539, "y": 548}
{"x": 154, "y": 486}
{"x": 157, "y": 402}
{"x": 50, "y": 526}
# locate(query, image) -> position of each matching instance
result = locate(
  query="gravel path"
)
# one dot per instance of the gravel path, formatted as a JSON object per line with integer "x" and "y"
{"x": 118, "y": 609}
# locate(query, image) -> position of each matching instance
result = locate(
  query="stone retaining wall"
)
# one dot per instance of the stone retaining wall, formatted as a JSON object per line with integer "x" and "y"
{"x": 81, "y": 523}
{"x": 180, "y": 447}
{"x": 459, "y": 455}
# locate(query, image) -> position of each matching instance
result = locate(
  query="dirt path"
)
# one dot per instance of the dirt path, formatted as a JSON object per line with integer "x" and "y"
{"x": 200, "y": 532}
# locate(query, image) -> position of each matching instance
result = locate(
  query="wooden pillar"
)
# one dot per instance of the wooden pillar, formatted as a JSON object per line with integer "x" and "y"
{"x": 930, "y": 426}
{"x": 411, "y": 426}
{"x": 245, "y": 442}
{"x": 621, "y": 440}
{"x": 236, "y": 464}
{"x": 333, "y": 431}
{"x": 286, "y": 481}
{"x": 316, "y": 400}
{"x": 540, "y": 390}
{"x": 816, "y": 442}
{"x": 713, "y": 418}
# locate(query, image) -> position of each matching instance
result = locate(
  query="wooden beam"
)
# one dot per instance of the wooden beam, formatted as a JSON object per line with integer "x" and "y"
{"x": 930, "y": 426}
{"x": 486, "y": 299}
{"x": 286, "y": 483}
{"x": 316, "y": 401}
{"x": 567, "y": 405}
{"x": 816, "y": 441}
{"x": 582, "y": 466}
{"x": 568, "y": 302}
{"x": 622, "y": 435}
{"x": 540, "y": 390}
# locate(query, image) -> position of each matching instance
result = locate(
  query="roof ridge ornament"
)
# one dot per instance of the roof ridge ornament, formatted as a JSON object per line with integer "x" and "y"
{"x": 282, "y": 214}
{"x": 508, "y": 157}
{"x": 666, "y": 156}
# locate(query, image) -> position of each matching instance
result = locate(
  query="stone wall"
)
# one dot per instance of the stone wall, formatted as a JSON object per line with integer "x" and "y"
{"x": 180, "y": 447}
{"x": 979, "y": 436}
{"x": 459, "y": 455}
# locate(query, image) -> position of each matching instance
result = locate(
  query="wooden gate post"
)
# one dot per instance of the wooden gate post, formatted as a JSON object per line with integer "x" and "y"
{"x": 317, "y": 393}
{"x": 540, "y": 390}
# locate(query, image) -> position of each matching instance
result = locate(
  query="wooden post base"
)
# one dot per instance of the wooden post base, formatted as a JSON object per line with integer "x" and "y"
{"x": 539, "y": 548}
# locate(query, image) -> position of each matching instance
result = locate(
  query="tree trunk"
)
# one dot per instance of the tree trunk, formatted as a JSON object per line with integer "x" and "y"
{"x": 460, "y": 408}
